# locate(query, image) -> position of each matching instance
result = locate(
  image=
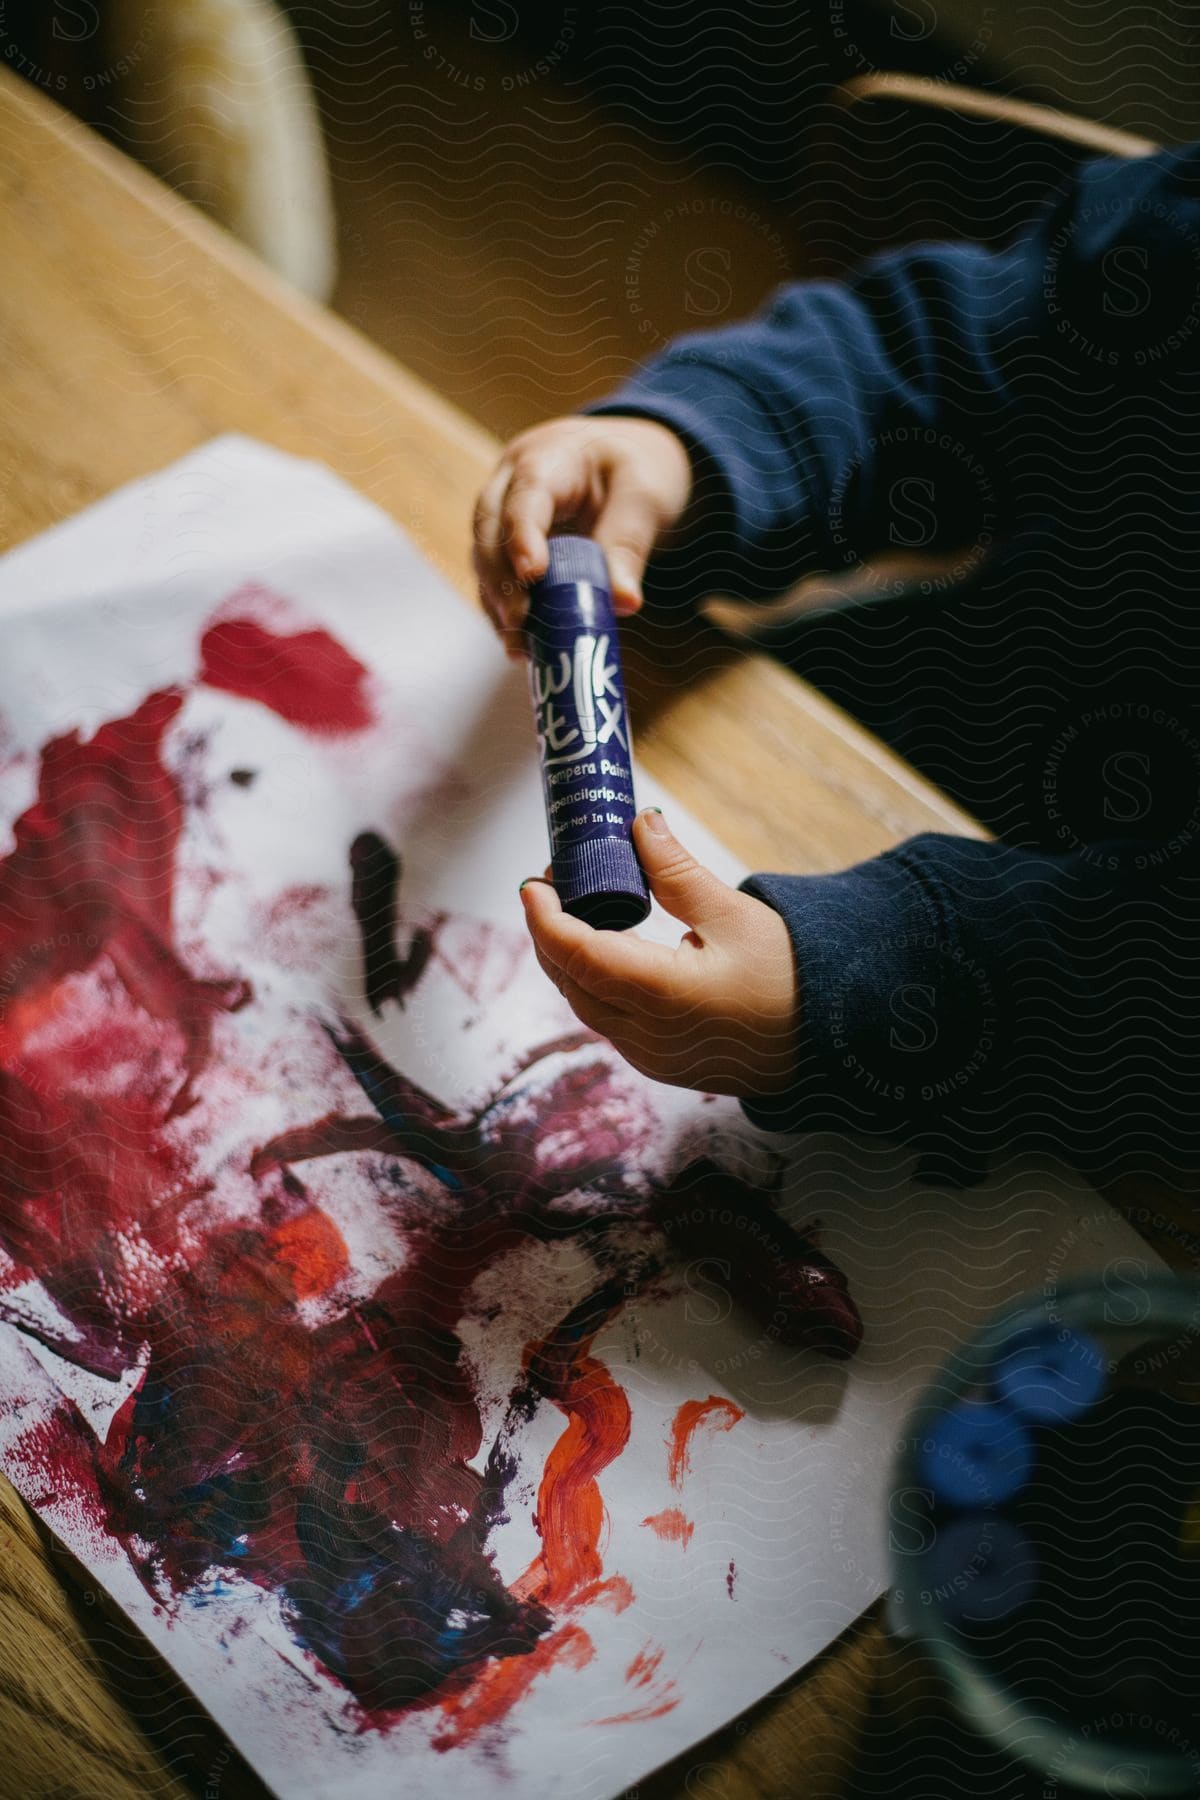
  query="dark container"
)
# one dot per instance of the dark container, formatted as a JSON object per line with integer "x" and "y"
{"x": 583, "y": 738}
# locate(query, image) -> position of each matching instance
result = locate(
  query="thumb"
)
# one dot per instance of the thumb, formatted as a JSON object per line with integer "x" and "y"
{"x": 626, "y": 530}
{"x": 677, "y": 881}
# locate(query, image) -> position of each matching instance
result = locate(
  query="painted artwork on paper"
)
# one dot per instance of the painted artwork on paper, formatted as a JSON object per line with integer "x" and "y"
{"x": 301, "y": 1396}
{"x": 315, "y": 1435}
{"x": 444, "y": 1400}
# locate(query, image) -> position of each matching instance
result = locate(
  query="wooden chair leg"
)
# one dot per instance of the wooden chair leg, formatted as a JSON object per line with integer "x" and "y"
{"x": 216, "y": 99}
{"x": 1088, "y": 135}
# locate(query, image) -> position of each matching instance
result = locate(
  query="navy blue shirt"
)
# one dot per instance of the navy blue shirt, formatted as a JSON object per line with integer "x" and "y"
{"x": 1034, "y": 412}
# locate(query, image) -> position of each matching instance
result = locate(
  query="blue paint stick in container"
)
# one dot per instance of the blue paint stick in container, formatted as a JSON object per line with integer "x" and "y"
{"x": 583, "y": 737}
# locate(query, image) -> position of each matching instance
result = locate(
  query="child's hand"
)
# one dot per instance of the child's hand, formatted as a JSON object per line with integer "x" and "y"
{"x": 719, "y": 1012}
{"x": 622, "y": 481}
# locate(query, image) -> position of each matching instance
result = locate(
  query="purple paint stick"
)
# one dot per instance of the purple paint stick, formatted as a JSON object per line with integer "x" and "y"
{"x": 583, "y": 737}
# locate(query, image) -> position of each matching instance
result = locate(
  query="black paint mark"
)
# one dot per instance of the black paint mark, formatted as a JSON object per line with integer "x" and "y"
{"x": 375, "y": 880}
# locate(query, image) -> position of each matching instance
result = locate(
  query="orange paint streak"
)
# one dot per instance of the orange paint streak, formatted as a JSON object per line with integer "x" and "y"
{"x": 23, "y": 1016}
{"x": 643, "y": 1672}
{"x": 615, "y": 1593}
{"x": 649, "y": 1711}
{"x": 570, "y": 1514}
{"x": 644, "y": 1667}
{"x": 720, "y": 1415}
{"x": 503, "y": 1683}
{"x": 570, "y": 1519}
{"x": 312, "y": 1250}
{"x": 673, "y": 1525}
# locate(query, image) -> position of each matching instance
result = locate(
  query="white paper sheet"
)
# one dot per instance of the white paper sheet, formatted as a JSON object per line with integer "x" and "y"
{"x": 779, "y": 1540}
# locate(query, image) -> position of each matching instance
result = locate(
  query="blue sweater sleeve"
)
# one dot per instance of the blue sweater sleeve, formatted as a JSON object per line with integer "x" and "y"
{"x": 785, "y": 415}
{"x": 955, "y": 994}
{"x": 967, "y": 996}
{"x": 796, "y": 418}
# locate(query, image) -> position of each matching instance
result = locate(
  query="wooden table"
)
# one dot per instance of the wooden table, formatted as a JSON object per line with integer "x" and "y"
{"x": 131, "y": 331}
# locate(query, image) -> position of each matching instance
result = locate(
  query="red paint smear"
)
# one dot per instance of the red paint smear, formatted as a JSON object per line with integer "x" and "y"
{"x": 91, "y": 875}
{"x": 52, "y": 1456}
{"x": 493, "y": 1695}
{"x": 16, "y": 1275}
{"x": 714, "y": 1413}
{"x": 90, "y": 1202}
{"x": 730, "y": 1578}
{"x": 307, "y": 677}
{"x": 673, "y": 1525}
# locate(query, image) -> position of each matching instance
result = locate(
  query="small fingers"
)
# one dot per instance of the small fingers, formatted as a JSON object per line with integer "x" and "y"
{"x": 598, "y": 1015}
{"x": 681, "y": 885}
{"x": 500, "y": 591}
{"x": 626, "y": 529}
{"x": 665, "y": 1041}
{"x": 527, "y": 512}
{"x": 547, "y": 484}
{"x": 612, "y": 966}
{"x": 533, "y": 486}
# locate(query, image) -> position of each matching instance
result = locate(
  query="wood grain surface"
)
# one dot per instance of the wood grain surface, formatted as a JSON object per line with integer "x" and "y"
{"x": 132, "y": 331}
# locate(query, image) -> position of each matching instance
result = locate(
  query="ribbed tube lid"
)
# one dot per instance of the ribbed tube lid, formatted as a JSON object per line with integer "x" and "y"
{"x": 601, "y": 881}
{"x": 575, "y": 559}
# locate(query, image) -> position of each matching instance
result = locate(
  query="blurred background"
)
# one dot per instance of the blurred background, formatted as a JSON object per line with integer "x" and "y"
{"x": 520, "y": 198}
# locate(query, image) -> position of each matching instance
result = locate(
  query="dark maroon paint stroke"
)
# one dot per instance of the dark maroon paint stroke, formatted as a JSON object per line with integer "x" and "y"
{"x": 329, "y": 1463}
{"x": 374, "y": 896}
{"x": 791, "y": 1287}
{"x": 92, "y": 874}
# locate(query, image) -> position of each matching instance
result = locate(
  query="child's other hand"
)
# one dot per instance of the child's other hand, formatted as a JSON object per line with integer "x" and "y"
{"x": 623, "y": 481}
{"x": 719, "y": 1012}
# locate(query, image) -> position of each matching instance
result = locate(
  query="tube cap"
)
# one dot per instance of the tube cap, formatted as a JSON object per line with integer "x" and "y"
{"x": 1052, "y": 1375}
{"x": 575, "y": 559}
{"x": 976, "y": 1454}
{"x": 601, "y": 882}
{"x": 980, "y": 1568}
